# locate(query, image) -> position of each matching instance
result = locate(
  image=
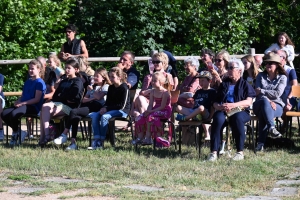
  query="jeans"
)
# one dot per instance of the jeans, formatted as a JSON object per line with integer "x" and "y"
{"x": 266, "y": 114}
{"x": 237, "y": 125}
{"x": 100, "y": 122}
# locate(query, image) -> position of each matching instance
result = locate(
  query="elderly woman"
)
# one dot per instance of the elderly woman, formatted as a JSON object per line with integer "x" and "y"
{"x": 221, "y": 61}
{"x": 234, "y": 92}
{"x": 191, "y": 83}
{"x": 270, "y": 85}
{"x": 160, "y": 61}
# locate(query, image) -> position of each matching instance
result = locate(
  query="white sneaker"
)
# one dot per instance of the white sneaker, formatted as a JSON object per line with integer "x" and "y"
{"x": 238, "y": 156}
{"x": 1, "y": 135}
{"x": 212, "y": 157}
{"x": 222, "y": 152}
{"x": 61, "y": 139}
{"x": 73, "y": 146}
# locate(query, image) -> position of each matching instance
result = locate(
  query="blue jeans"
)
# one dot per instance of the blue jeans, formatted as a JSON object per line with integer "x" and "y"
{"x": 266, "y": 114}
{"x": 100, "y": 122}
{"x": 237, "y": 125}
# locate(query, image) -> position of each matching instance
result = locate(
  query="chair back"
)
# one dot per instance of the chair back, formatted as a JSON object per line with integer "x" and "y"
{"x": 296, "y": 91}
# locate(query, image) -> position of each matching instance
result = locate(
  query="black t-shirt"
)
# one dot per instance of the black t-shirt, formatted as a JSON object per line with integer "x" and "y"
{"x": 204, "y": 98}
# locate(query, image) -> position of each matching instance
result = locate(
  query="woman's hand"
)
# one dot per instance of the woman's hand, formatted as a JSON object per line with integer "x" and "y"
{"x": 228, "y": 106}
{"x": 258, "y": 91}
{"x": 89, "y": 88}
{"x": 19, "y": 104}
{"x": 273, "y": 105}
{"x": 102, "y": 111}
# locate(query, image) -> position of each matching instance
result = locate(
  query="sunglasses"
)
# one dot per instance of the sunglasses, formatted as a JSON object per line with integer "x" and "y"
{"x": 156, "y": 61}
{"x": 68, "y": 31}
{"x": 231, "y": 68}
{"x": 219, "y": 60}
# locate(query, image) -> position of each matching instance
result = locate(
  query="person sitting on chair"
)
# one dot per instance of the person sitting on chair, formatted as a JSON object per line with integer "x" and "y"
{"x": 203, "y": 100}
{"x": 234, "y": 93}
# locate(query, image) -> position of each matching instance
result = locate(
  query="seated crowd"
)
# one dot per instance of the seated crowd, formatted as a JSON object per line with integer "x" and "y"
{"x": 223, "y": 91}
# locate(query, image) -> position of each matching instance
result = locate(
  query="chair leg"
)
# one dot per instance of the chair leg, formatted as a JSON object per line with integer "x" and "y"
{"x": 90, "y": 132}
{"x": 180, "y": 132}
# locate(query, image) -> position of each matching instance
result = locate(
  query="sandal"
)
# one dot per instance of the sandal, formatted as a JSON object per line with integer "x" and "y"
{"x": 148, "y": 141}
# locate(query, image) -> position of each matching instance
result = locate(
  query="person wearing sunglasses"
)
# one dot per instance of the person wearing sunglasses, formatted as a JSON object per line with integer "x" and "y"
{"x": 221, "y": 61}
{"x": 270, "y": 85}
{"x": 73, "y": 46}
{"x": 234, "y": 92}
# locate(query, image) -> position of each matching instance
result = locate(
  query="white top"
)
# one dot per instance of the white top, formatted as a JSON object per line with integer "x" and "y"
{"x": 288, "y": 48}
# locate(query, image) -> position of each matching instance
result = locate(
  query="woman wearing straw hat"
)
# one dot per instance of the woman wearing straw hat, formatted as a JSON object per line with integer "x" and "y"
{"x": 269, "y": 86}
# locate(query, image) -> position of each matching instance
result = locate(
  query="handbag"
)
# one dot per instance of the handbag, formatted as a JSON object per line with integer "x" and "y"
{"x": 233, "y": 111}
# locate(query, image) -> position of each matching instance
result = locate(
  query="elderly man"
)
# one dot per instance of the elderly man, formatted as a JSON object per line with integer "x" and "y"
{"x": 207, "y": 57}
{"x": 73, "y": 46}
{"x": 288, "y": 99}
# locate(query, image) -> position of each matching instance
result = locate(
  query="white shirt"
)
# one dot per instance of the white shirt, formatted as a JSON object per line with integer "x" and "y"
{"x": 288, "y": 48}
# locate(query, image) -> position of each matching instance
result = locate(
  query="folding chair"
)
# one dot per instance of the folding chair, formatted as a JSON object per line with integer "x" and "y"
{"x": 291, "y": 114}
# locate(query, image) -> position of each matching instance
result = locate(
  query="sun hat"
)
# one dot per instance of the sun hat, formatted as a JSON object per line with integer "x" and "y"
{"x": 272, "y": 57}
{"x": 205, "y": 74}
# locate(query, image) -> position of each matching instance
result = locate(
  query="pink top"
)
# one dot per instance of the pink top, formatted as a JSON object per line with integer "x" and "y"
{"x": 192, "y": 84}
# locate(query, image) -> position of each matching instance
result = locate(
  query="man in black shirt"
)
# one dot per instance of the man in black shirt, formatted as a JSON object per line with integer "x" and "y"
{"x": 73, "y": 46}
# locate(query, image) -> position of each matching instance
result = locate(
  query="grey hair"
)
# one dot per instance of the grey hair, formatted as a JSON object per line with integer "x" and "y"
{"x": 239, "y": 64}
{"x": 193, "y": 61}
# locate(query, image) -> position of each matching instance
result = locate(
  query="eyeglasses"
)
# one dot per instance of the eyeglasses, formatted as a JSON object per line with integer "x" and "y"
{"x": 219, "y": 60}
{"x": 156, "y": 61}
{"x": 282, "y": 57}
{"x": 231, "y": 68}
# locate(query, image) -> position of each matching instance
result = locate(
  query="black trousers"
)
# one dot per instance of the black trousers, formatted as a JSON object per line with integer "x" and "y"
{"x": 78, "y": 113}
{"x": 11, "y": 115}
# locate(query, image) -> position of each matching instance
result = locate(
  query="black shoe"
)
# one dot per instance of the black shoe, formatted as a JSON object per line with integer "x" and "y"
{"x": 274, "y": 133}
{"x": 259, "y": 147}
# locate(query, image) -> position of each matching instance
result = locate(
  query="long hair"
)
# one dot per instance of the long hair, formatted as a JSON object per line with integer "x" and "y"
{"x": 279, "y": 69}
{"x": 74, "y": 64}
{"x": 119, "y": 72}
{"x": 84, "y": 62}
{"x": 56, "y": 59}
{"x": 103, "y": 72}
{"x": 253, "y": 66}
{"x": 288, "y": 39}
{"x": 39, "y": 66}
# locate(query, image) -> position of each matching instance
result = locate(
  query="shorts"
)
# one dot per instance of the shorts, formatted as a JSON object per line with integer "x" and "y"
{"x": 206, "y": 114}
{"x": 66, "y": 109}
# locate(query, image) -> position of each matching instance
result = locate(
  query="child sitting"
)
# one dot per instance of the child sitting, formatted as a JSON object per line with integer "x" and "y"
{"x": 203, "y": 99}
{"x": 55, "y": 65}
{"x": 148, "y": 124}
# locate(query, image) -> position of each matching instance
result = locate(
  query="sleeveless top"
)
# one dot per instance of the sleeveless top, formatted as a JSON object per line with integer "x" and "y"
{"x": 73, "y": 48}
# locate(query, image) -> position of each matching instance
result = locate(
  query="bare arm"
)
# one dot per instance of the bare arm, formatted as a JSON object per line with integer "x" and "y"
{"x": 50, "y": 94}
{"x": 36, "y": 99}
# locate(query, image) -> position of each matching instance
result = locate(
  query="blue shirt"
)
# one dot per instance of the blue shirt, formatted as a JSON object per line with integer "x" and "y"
{"x": 29, "y": 89}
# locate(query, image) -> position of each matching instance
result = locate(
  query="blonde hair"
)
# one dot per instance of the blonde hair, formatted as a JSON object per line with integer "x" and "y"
{"x": 225, "y": 56}
{"x": 253, "y": 65}
{"x": 163, "y": 58}
{"x": 39, "y": 66}
{"x": 84, "y": 62}
{"x": 163, "y": 79}
{"x": 119, "y": 72}
{"x": 103, "y": 72}
{"x": 56, "y": 59}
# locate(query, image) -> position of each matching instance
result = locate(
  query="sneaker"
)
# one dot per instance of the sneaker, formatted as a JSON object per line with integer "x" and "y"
{"x": 31, "y": 137}
{"x": 96, "y": 144}
{"x": 61, "y": 139}
{"x": 274, "y": 133}
{"x": 1, "y": 135}
{"x": 238, "y": 156}
{"x": 212, "y": 157}
{"x": 180, "y": 117}
{"x": 222, "y": 152}
{"x": 136, "y": 141}
{"x": 13, "y": 140}
{"x": 73, "y": 146}
{"x": 197, "y": 118}
{"x": 259, "y": 147}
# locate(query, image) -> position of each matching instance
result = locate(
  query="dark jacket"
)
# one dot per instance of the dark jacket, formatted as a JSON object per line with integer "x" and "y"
{"x": 117, "y": 98}
{"x": 69, "y": 90}
{"x": 73, "y": 48}
{"x": 242, "y": 91}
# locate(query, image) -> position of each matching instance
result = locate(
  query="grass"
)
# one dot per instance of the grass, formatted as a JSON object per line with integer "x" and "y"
{"x": 107, "y": 171}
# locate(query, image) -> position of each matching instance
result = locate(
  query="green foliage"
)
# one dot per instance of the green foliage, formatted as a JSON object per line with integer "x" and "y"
{"x": 29, "y": 29}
